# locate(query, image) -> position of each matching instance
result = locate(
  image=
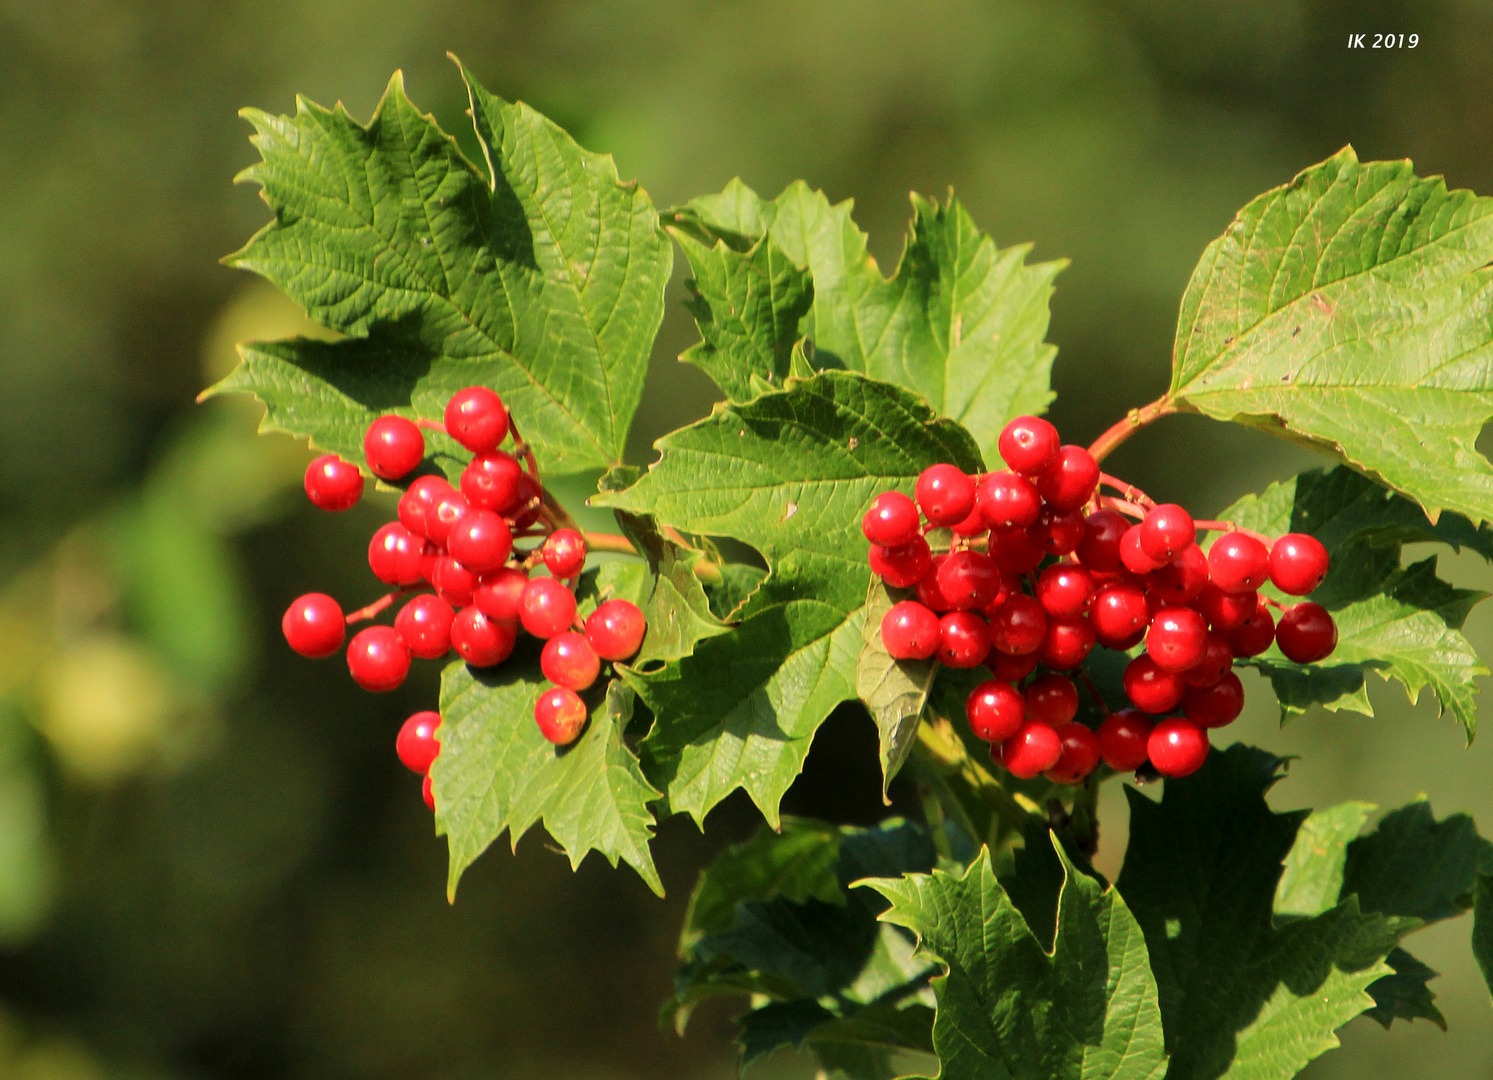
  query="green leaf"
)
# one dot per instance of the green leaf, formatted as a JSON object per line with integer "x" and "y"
{"x": 496, "y": 771}
{"x": 790, "y": 474}
{"x": 543, "y": 280}
{"x": 1313, "y": 876}
{"x": 895, "y": 691}
{"x": 1241, "y": 996}
{"x": 1416, "y": 866}
{"x": 1404, "y": 995}
{"x": 1348, "y": 310}
{"x": 860, "y": 1047}
{"x": 1482, "y": 926}
{"x": 1009, "y": 1009}
{"x": 674, "y": 603}
{"x": 960, "y": 321}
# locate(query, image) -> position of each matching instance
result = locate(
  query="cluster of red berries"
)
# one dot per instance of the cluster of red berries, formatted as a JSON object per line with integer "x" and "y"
{"x": 460, "y": 543}
{"x": 1041, "y": 567}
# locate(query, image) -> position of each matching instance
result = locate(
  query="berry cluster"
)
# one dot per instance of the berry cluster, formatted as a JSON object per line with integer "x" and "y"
{"x": 461, "y": 544}
{"x": 1041, "y": 567}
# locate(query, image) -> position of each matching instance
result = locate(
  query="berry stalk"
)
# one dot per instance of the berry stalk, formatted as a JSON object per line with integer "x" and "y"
{"x": 1136, "y": 419}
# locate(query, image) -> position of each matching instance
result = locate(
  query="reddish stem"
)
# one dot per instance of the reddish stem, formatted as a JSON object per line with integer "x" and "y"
{"x": 1133, "y": 422}
{"x": 1093, "y": 692}
{"x": 1128, "y": 490}
{"x": 1229, "y": 526}
{"x": 372, "y": 610}
{"x": 1127, "y": 508}
{"x": 431, "y": 425}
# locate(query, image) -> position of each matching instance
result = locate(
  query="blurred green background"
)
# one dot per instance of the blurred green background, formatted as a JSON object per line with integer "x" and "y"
{"x": 211, "y": 863}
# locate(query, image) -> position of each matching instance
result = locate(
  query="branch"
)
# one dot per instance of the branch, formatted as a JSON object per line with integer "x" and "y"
{"x": 1133, "y": 422}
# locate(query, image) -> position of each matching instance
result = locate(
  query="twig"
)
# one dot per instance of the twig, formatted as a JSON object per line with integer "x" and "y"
{"x": 1127, "y": 508}
{"x": 1128, "y": 490}
{"x": 1133, "y": 422}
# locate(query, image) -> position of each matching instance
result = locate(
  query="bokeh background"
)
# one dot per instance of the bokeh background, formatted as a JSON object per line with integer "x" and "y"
{"x": 211, "y": 863}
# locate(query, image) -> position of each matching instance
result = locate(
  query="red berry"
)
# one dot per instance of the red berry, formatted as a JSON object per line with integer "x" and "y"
{"x": 1181, "y": 580}
{"x": 963, "y": 640}
{"x": 493, "y": 482}
{"x": 1034, "y": 749}
{"x": 1177, "y": 747}
{"x": 1118, "y": 613}
{"x": 1149, "y": 688}
{"x": 969, "y": 580}
{"x": 427, "y": 791}
{"x": 892, "y": 519}
{"x": 1064, "y": 591}
{"x": 1080, "y": 754}
{"x": 568, "y": 660}
{"x": 418, "y": 500}
{"x": 1216, "y": 705}
{"x": 1051, "y": 700}
{"x": 945, "y": 494}
{"x": 974, "y": 525}
{"x": 430, "y": 560}
{"x": 1306, "y": 633}
{"x": 441, "y": 518}
{"x": 456, "y": 583}
{"x": 314, "y": 625}
{"x": 1175, "y": 638}
{"x": 416, "y": 745}
{"x": 560, "y": 714}
{"x": 928, "y": 592}
{"x": 1166, "y": 532}
{"x": 476, "y": 418}
{"x": 1071, "y": 480}
{"x": 909, "y": 631}
{"x": 333, "y": 484}
{"x": 995, "y": 710}
{"x": 1017, "y": 552}
{"x": 1132, "y": 556}
{"x": 564, "y": 552}
{"x": 1122, "y": 740}
{"x": 1238, "y": 563}
{"x": 525, "y": 509}
{"x": 1217, "y": 659}
{"x": 424, "y": 625}
{"x": 1011, "y": 669}
{"x": 546, "y": 607}
{"x": 1254, "y": 635}
{"x": 480, "y": 641}
{"x": 1100, "y": 547}
{"x": 615, "y": 629}
{"x": 1225, "y": 611}
{"x": 378, "y": 659}
{"x": 1018, "y": 626}
{"x": 1006, "y": 501}
{"x": 394, "y": 555}
{"x": 1058, "y": 531}
{"x": 1066, "y": 642}
{"x": 393, "y": 447}
{"x": 498, "y": 594}
{"x": 1298, "y": 563}
{"x": 1029, "y": 445}
{"x": 901, "y": 567}
{"x": 481, "y": 541}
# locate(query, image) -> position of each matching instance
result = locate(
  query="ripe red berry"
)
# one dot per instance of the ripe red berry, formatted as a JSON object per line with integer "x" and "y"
{"x": 481, "y": 541}
{"x": 1225, "y": 611}
{"x": 1217, "y": 659}
{"x": 1051, "y": 700}
{"x": 498, "y": 594}
{"x": 1017, "y": 552}
{"x": 1079, "y": 756}
{"x": 1132, "y": 556}
{"x": 928, "y": 592}
{"x": 568, "y": 660}
{"x": 456, "y": 583}
{"x": 1122, "y": 740}
{"x": 416, "y": 744}
{"x": 427, "y": 791}
{"x": 1011, "y": 669}
{"x": 1034, "y": 749}
{"x": 546, "y": 607}
{"x": 476, "y": 418}
{"x": 1238, "y": 563}
{"x": 492, "y": 481}
{"x": 1175, "y": 638}
{"x": 333, "y": 484}
{"x": 909, "y": 631}
{"x": 480, "y": 641}
{"x": 418, "y": 500}
{"x": 1018, "y": 626}
{"x": 891, "y": 520}
{"x": 901, "y": 567}
{"x": 1216, "y": 705}
{"x": 1064, "y": 591}
{"x": 1100, "y": 547}
{"x": 969, "y": 580}
{"x": 995, "y": 710}
{"x": 1177, "y": 747}
{"x": 1298, "y": 563}
{"x": 393, "y": 447}
{"x": 945, "y": 494}
{"x": 560, "y": 714}
{"x": 1254, "y": 635}
{"x": 1007, "y": 501}
{"x": 1029, "y": 445}
{"x": 1181, "y": 580}
{"x": 441, "y": 518}
{"x": 963, "y": 640}
{"x": 394, "y": 555}
{"x": 1118, "y": 613}
{"x": 378, "y": 659}
{"x": 314, "y": 625}
{"x": 1071, "y": 480}
{"x": 1166, "y": 532}
{"x": 525, "y": 509}
{"x": 615, "y": 629}
{"x": 564, "y": 552}
{"x": 1066, "y": 642}
{"x": 973, "y": 525}
{"x": 1149, "y": 688}
{"x": 1306, "y": 633}
{"x": 424, "y": 625}
{"x": 1058, "y": 531}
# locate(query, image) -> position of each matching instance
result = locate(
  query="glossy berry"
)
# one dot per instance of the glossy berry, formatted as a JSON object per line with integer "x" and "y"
{"x": 1007, "y": 501}
{"x": 1181, "y": 580}
{"x": 424, "y": 625}
{"x": 456, "y": 584}
{"x": 481, "y": 541}
{"x": 1033, "y": 749}
{"x": 1100, "y": 547}
{"x": 546, "y": 607}
{"x": 493, "y": 482}
{"x": 480, "y": 641}
{"x": 525, "y": 509}
{"x": 1071, "y": 480}
{"x": 1011, "y": 669}
{"x": 1064, "y": 591}
{"x": 568, "y": 660}
{"x": 1149, "y": 688}
{"x": 909, "y": 631}
{"x": 1017, "y": 552}
{"x": 1216, "y": 662}
{"x": 969, "y": 580}
{"x": 498, "y": 593}
{"x": 1133, "y": 557}
{"x": 928, "y": 592}
{"x": 1177, "y": 747}
{"x": 378, "y": 659}
{"x": 1298, "y": 563}
{"x": 416, "y": 743}
{"x": 1306, "y": 633}
{"x": 995, "y": 710}
{"x": 393, "y": 447}
{"x": 314, "y": 625}
{"x": 891, "y": 520}
{"x": 444, "y": 515}
{"x": 333, "y": 484}
{"x": 1051, "y": 700}
{"x": 1029, "y": 445}
{"x": 902, "y": 566}
{"x": 615, "y": 629}
{"x": 564, "y": 552}
{"x": 476, "y": 418}
{"x": 418, "y": 500}
{"x": 1066, "y": 642}
{"x": 963, "y": 640}
{"x": 1166, "y": 532}
{"x": 427, "y": 791}
{"x": 1216, "y": 705}
{"x": 1175, "y": 638}
{"x": 945, "y": 494}
{"x": 1254, "y": 635}
{"x": 973, "y": 525}
{"x": 1122, "y": 739}
{"x": 1224, "y": 611}
{"x": 394, "y": 555}
{"x": 1018, "y": 626}
{"x": 1238, "y": 563}
{"x": 1058, "y": 531}
{"x": 1079, "y": 756}
{"x": 560, "y": 714}
{"x": 1118, "y": 613}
